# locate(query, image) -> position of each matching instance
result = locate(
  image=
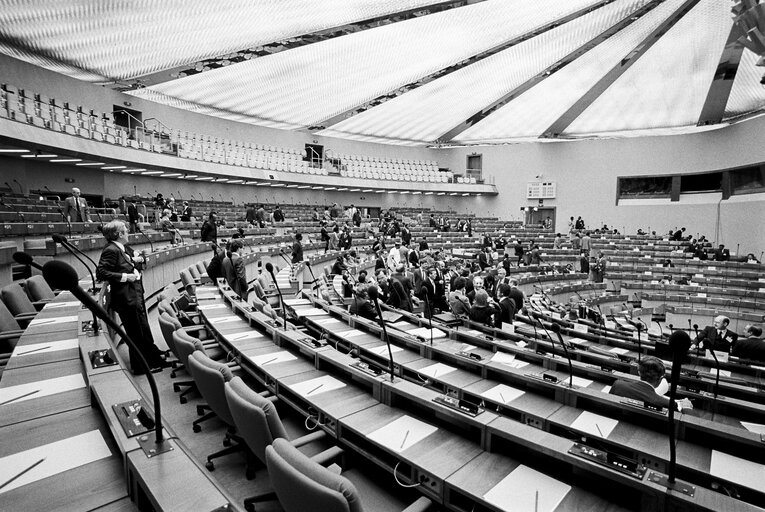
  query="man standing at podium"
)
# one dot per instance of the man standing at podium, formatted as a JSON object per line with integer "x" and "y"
{"x": 76, "y": 208}
{"x": 120, "y": 267}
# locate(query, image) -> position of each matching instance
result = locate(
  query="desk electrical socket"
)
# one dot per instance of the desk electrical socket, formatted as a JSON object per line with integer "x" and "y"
{"x": 367, "y": 368}
{"x": 133, "y": 417}
{"x": 463, "y": 406}
{"x": 610, "y": 460}
{"x": 469, "y": 355}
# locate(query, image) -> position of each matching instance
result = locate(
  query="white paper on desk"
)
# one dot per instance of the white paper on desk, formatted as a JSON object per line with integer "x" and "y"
{"x": 206, "y": 296}
{"x": 436, "y": 370}
{"x": 53, "y": 320}
{"x": 502, "y": 358}
{"x": 737, "y": 470}
{"x": 526, "y": 490}
{"x": 59, "y": 456}
{"x": 273, "y": 358}
{"x": 581, "y": 328}
{"x": 43, "y": 388}
{"x": 618, "y": 350}
{"x": 606, "y": 389}
{"x": 353, "y": 333}
{"x": 309, "y": 312}
{"x": 517, "y": 364}
{"x": 317, "y": 386}
{"x": 327, "y": 320}
{"x": 721, "y": 356}
{"x": 401, "y": 325}
{"x": 424, "y": 332}
{"x": 207, "y": 307}
{"x": 402, "y": 433}
{"x": 502, "y": 393}
{"x": 508, "y": 328}
{"x": 753, "y": 427}
{"x": 225, "y": 320}
{"x": 297, "y": 302}
{"x": 57, "y": 305}
{"x": 45, "y": 347}
{"x": 578, "y": 381}
{"x": 383, "y": 350}
{"x": 467, "y": 347}
{"x": 241, "y": 336}
{"x": 594, "y": 424}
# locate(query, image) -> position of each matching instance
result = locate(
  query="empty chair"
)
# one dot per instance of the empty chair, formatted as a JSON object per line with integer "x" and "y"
{"x": 17, "y": 302}
{"x": 38, "y": 290}
{"x": 189, "y": 283}
{"x": 10, "y": 331}
{"x": 303, "y": 485}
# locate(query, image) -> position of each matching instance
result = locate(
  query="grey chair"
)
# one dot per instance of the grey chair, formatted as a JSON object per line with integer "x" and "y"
{"x": 38, "y": 289}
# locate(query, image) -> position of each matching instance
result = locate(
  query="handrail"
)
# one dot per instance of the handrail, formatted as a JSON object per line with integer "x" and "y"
{"x": 169, "y": 130}
{"x": 130, "y": 116}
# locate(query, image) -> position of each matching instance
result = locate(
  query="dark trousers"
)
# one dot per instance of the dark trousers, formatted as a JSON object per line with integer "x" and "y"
{"x": 136, "y": 325}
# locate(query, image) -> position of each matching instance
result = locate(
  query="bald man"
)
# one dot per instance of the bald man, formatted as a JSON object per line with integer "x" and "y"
{"x": 76, "y": 208}
{"x": 716, "y": 337}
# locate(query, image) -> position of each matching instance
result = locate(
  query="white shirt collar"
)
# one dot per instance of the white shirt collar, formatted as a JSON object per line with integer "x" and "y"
{"x": 120, "y": 245}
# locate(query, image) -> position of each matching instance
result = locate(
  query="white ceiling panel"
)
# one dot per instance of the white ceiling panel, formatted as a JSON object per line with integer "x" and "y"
{"x": 747, "y": 94}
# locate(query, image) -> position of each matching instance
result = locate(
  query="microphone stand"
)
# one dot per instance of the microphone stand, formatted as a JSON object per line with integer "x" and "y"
{"x": 717, "y": 364}
{"x": 73, "y": 251}
{"x": 556, "y": 329}
{"x": 430, "y": 311}
{"x": 270, "y": 270}
{"x": 62, "y": 276}
{"x": 148, "y": 239}
{"x": 314, "y": 286}
{"x": 373, "y": 294}
{"x": 660, "y": 329}
{"x": 68, "y": 222}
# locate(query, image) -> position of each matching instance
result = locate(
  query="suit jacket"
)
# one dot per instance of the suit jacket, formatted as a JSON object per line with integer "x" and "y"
{"x": 112, "y": 264}
{"x": 639, "y": 390}
{"x": 70, "y": 209}
{"x": 235, "y": 274}
{"x": 709, "y": 339}
{"x": 506, "y": 312}
{"x": 750, "y": 348}
{"x": 132, "y": 213}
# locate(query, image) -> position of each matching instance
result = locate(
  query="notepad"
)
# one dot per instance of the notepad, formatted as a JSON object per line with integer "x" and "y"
{"x": 297, "y": 302}
{"x": 753, "y": 427}
{"x": 53, "y": 320}
{"x": 502, "y": 393}
{"x": 225, "y": 320}
{"x": 41, "y": 388}
{"x": 45, "y": 347}
{"x": 594, "y": 424}
{"x": 383, "y": 351}
{"x": 737, "y": 470}
{"x": 207, "y": 307}
{"x": 327, "y": 320}
{"x": 578, "y": 381}
{"x": 517, "y": 364}
{"x": 424, "y": 332}
{"x": 241, "y": 336}
{"x": 58, "y": 457}
{"x": 606, "y": 389}
{"x": 58, "y": 305}
{"x": 502, "y": 358}
{"x": 273, "y": 358}
{"x": 402, "y": 433}
{"x": 617, "y": 350}
{"x": 353, "y": 333}
{"x": 310, "y": 312}
{"x": 436, "y": 370}
{"x": 317, "y": 386}
{"x": 527, "y": 490}
{"x": 206, "y": 296}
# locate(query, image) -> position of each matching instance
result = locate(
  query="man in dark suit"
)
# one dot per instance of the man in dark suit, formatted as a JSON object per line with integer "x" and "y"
{"x": 186, "y": 213}
{"x": 651, "y": 370}
{"x": 753, "y": 347}
{"x": 76, "y": 208}
{"x": 133, "y": 216}
{"x": 717, "y": 337}
{"x": 120, "y": 267}
{"x": 721, "y": 253}
{"x": 506, "y": 306}
{"x": 234, "y": 271}
{"x": 360, "y": 305}
{"x": 297, "y": 249}
{"x": 209, "y": 231}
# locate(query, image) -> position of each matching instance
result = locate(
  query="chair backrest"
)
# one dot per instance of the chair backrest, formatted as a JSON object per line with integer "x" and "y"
{"x": 184, "y": 345}
{"x": 255, "y": 417}
{"x": 168, "y": 327}
{"x": 269, "y": 311}
{"x": 194, "y": 271}
{"x": 188, "y": 282}
{"x": 201, "y": 268}
{"x": 210, "y": 377}
{"x": 303, "y": 485}
{"x": 7, "y": 322}
{"x": 164, "y": 306}
{"x": 16, "y": 300}
{"x": 38, "y": 289}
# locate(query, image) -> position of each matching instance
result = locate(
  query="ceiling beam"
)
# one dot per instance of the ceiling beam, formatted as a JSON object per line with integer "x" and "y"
{"x": 725, "y": 74}
{"x": 289, "y": 43}
{"x": 455, "y": 67}
{"x": 533, "y": 81}
{"x": 568, "y": 117}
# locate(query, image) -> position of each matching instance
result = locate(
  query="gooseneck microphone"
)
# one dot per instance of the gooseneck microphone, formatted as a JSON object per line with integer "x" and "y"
{"x": 424, "y": 291}
{"x": 717, "y": 363}
{"x": 23, "y": 258}
{"x": 373, "y": 294}
{"x": 60, "y": 239}
{"x": 151, "y": 245}
{"x": 314, "y": 285}
{"x": 68, "y": 222}
{"x": 556, "y": 329}
{"x": 679, "y": 343}
{"x": 61, "y": 275}
{"x": 526, "y": 313}
{"x": 270, "y": 270}
{"x": 639, "y": 328}
{"x": 284, "y": 256}
{"x": 660, "y": 329}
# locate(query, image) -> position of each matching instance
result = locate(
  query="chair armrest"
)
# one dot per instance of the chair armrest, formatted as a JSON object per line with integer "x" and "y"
{"x": 328, "y": 456}
{"x": 25, "y": 317}
{"x": 421, "y": 505}
{"x": 9, "y": 335}
{"x": 195, "y": 328}
{"x": 308, "y": 438}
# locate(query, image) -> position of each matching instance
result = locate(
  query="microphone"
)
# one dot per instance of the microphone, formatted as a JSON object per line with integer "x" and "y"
{"x": 679, "y": 343}
{"x": 424, "y": 291}
{"x": 270, "y": 270}
{"x": 284, "y": 256}
{"x": 639, "y": 328}
{"x": 373, "y": 294}
{"x": 314, "y": 285}
{"x": 151, "y": 245}
{"x": 100, "y": 220}
{"x": 660, "y": 329}
{"x": 671, "y": 328}
{"x": 68, "y": 222}
{"x": 15, "y": 210}
{"x": 62, "y": 276}
{"x": 23, "y": 258}
{"x": 717, "y": 363}
{"x": 556, "y": 329}
{"x": 21, "y": 191}
{"x": 526, "y": 313}
{"x": 61, "y": 239}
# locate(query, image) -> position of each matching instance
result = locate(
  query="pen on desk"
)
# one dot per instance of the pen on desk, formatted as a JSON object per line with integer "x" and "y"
{"x": 20, "y": 397}
{"x": 33, "y": 350}
{"x": 269, "y": 361}
{"x": 404, "y": 441}
{"x": 22, "y": 473}
{"x": 536, "y": 501}
{"x": 43, "y": 322}
{"x": 502, "y": 397}
{"x": 600, "y": 431}
{"x": 314, "y": 389}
